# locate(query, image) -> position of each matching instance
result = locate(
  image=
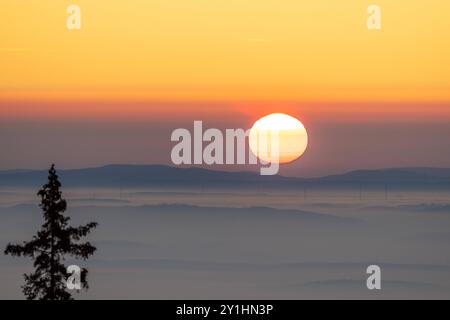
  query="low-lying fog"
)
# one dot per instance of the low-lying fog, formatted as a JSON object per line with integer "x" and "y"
{"x": 203, "y": 244}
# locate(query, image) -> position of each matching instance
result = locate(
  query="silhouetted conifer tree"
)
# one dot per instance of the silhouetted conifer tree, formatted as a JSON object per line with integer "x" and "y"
{"x": 50, "y": 245}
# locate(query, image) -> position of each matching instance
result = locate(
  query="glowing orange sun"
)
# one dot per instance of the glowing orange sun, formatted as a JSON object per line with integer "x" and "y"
{"x": 278, "y": 138}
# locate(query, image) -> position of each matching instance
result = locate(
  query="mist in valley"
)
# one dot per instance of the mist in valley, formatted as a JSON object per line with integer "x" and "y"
{"x": 241, "y": 244}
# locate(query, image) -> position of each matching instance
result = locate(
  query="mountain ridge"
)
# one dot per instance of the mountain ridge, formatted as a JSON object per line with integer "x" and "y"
{"x": 157, "y": 175}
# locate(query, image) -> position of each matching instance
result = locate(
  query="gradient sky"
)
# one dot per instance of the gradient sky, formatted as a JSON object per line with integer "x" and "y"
{"x": 140, "y": 68}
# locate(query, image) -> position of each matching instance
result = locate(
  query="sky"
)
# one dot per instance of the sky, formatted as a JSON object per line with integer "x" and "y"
{"x": 113, "y": 91}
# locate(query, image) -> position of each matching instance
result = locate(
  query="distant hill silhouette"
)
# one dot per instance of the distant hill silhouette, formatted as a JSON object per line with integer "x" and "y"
{"x": 169, "y": 177}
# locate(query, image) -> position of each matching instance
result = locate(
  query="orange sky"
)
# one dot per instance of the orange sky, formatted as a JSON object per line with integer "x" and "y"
{"x": 129, "y": 58}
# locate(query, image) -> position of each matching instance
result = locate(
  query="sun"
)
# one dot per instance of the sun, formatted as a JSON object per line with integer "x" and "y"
{"x": 278, "y": 138}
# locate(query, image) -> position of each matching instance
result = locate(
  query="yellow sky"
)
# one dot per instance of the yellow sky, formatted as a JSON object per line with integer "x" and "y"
{"x": 272, "y": 50}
